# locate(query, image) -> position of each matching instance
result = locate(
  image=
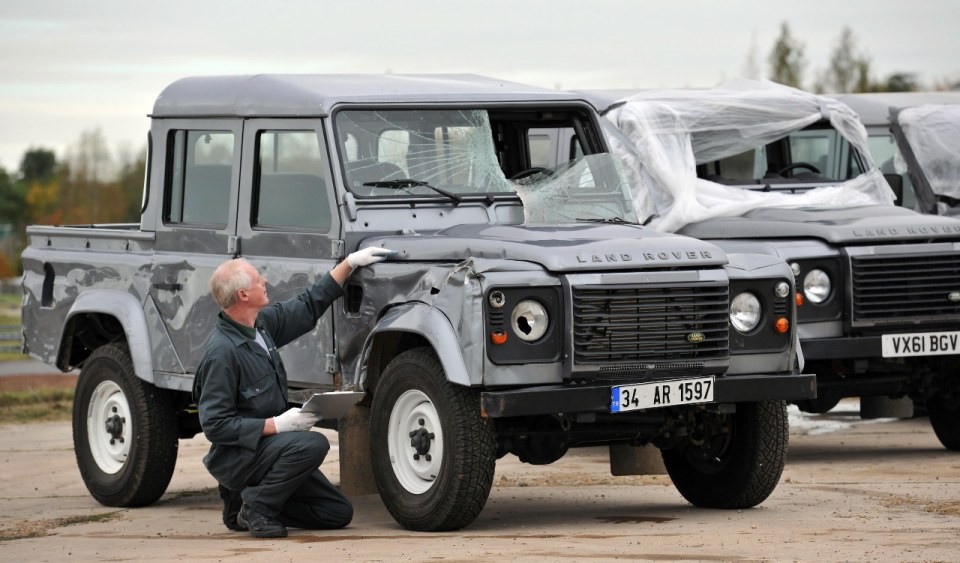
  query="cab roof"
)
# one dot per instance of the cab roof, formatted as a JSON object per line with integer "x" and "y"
{"x": 314, "y": 95}
{"x": 874, "y": 108}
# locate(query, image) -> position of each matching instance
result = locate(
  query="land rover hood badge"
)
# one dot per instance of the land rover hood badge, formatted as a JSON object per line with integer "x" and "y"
{"x": 696, "y": 337}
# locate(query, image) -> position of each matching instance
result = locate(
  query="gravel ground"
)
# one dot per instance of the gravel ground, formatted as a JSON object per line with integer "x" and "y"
{"x": 852, "y": 491}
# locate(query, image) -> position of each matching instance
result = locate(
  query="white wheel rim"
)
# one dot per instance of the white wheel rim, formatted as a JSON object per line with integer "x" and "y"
{"x": 109, "y": 427}
{"x": 414, "y": 413}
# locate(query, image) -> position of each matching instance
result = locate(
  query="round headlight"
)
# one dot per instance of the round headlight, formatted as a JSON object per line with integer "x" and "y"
{"x": 816, "y": 286}
{"x": 745, "y": 312}
{"x": 529, "y": 320}
{"x": 782, "y": 289}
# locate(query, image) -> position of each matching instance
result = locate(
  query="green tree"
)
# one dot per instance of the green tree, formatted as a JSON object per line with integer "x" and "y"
{"x": 132, "y": 169}
{"x": 38, "y": 165}
{"x": 900, "y": 82}
{"x": 786, "y": 59}
{"x": 849, "y": 69}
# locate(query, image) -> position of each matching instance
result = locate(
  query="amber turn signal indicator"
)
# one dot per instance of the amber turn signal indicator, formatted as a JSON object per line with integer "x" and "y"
{"x": 799, "y": 299}
{"x": 498, "y": 337}
{"x": 782, "y": 325}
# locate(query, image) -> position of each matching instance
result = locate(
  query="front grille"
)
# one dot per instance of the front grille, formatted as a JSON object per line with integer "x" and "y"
{"x": 904, "y": 289}
{"x": 644, "y": 330}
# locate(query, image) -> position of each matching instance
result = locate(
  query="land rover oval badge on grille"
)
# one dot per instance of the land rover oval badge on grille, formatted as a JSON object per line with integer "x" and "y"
{"x": 953, "y": 296}
{"x": 696, "y": 337}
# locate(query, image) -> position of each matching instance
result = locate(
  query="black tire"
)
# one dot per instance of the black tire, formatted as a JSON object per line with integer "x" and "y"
{"x": 437, "y": 489}
{"x": 735, "y": 470}
{"x": 112, "y": 404}
{"x": 944, "y": 416}
{"x": 824, "y": 402}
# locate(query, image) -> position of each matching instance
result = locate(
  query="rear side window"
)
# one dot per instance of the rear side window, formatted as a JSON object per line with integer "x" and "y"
{"x": 198, "y": 181}
{"x": 291, "y": 189}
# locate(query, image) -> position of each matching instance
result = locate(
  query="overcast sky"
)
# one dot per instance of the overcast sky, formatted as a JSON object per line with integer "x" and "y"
{"x": 67, "y": 67}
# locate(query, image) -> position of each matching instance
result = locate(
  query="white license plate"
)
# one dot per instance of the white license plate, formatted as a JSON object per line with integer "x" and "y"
{"x": 661, "y": 394}
{"x": 920, "y": 344}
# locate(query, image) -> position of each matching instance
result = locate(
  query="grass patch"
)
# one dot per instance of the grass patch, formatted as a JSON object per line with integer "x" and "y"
{"x": 39, "y": 528}
{"x": 9, "y": 316}
{"x": 10, "y": 300}
{"x": 13, "y": 357}
{"x": 36, "y": 405}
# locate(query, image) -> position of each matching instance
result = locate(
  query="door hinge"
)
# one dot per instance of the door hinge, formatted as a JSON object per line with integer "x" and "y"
{"x": 332, "y": 364}
{"x": 336, "y": 248}
{"x": 233, "y": 245}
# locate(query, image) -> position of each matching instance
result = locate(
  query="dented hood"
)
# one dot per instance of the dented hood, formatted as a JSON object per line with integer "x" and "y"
{"x": 557, "y": 248}
{"x": 844, "y": 225}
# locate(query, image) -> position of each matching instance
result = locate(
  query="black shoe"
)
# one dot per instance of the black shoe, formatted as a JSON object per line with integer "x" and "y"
{"x": 260, "y": 525}
{"x": 232, "y": 501}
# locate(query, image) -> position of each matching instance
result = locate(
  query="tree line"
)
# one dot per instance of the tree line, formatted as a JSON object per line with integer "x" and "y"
{"x": 90, "y": 184}
{"x": 848, "y": 70}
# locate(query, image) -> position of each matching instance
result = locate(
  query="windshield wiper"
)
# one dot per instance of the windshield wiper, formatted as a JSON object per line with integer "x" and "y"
{"x": 611, "y": 220}
{"x": 402, "y": 183}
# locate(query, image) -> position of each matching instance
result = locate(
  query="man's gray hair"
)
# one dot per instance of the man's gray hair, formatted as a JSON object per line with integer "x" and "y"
{"x": 227, "y": 279}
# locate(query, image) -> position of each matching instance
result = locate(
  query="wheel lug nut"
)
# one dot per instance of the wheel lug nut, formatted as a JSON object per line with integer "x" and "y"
{"x": 427, "y": 457}
{"x": 421, "y": 422}
{"x": 416, "y": 457}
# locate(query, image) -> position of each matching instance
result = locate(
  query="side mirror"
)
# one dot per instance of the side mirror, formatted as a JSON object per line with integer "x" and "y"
{"x": 896, "y": 184}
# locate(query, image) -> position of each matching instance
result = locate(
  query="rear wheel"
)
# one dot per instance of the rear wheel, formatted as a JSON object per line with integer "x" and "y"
{"x": 825, "y": 401}
{"x": 433, "y": 454}
{"x": 124, "y": 431}
{"x": 732, "y": 460}
{"x": 944, "y": 414}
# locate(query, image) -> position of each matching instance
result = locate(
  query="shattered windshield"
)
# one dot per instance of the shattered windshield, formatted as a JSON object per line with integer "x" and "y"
{"x": 933, "y": 132}
{"x": 454, "y": 154}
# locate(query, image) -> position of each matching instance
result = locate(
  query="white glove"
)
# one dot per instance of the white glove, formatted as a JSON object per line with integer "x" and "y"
{"x": 367, "y": 256}
{"x": 294, "y": 420}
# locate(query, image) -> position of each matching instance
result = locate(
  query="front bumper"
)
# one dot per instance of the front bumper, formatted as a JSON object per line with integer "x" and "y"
{"x": 841, "y": 348}
{"x": 556, "y": 399}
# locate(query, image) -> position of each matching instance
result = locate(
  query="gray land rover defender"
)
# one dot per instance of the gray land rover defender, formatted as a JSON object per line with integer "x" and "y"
{"x": 525, "y": 313}
{"x": 759, "y": 168}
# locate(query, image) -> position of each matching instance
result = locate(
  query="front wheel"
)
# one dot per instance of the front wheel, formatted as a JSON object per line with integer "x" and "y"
{"x": 732, "y": 460}
{"x": 433, "y": 454}
{"x": 124, "y": 431}
{"x": 944, "y": 414}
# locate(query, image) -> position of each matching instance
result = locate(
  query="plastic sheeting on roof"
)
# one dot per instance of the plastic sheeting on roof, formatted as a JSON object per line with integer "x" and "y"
{"x": 662, "y": 135}
{"x": 933, "y": 132}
